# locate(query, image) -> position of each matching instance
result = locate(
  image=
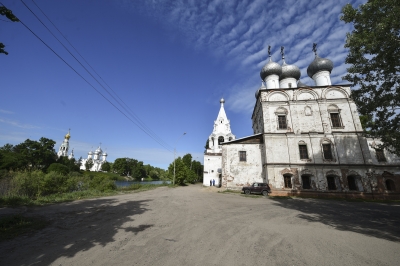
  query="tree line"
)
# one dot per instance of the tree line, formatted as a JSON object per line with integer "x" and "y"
{"x": 32, "y": 155}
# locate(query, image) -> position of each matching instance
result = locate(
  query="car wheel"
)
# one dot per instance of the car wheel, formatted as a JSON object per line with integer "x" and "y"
{"x": 247, "y": 192}
{"x": 265, "y": 193}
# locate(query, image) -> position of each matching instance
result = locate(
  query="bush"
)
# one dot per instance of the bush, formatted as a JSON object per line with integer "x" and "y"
{"x": 59, "y": 168}
{"x": 102, "y": 184}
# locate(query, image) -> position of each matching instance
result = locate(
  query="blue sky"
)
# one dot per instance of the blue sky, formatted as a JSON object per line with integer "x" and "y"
{"x": 168, "y": 62}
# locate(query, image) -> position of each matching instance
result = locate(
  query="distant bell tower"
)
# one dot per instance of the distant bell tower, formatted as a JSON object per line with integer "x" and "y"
{"x": 63, "y": 151}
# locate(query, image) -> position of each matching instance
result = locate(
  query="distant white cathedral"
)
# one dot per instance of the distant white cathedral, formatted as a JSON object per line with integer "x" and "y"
{"x": 98, "y": 158}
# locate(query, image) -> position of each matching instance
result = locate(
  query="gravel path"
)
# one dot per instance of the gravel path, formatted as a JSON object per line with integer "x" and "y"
{"x": 197, "y": 226}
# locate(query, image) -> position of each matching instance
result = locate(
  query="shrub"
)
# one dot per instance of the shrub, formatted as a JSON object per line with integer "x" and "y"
{"x": 102, "y": 183}
{"x": 59, "y": 168}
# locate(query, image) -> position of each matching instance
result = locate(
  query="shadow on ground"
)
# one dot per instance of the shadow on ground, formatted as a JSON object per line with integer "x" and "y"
{"x": 372, "y": 219}
{"x": 73, "y": 228}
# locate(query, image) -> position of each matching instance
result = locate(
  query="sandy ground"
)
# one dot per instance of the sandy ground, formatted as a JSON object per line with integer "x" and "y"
{"x": 198, "y": 226}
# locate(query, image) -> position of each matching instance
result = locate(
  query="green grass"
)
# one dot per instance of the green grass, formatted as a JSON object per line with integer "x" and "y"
{"x": 15, "y": 225}
{"x": 15, "y": 200}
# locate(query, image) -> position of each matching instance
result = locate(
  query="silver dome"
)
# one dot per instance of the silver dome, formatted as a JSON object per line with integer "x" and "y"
{"x": 319, "y": 64}
{"x": 290, "y": 71}
{"x": 222, "y": 100}
{"x": 270, "y": 68}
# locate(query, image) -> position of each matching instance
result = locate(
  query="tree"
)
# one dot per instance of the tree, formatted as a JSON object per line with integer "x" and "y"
{"x": 181, "y": 171}
{"x": 106, "y": 166}
{"x": 374, "y": 58}
{"x": 89, "y": 164}
{"x": 187, "y": 160}
{"x": 8, "y": 13}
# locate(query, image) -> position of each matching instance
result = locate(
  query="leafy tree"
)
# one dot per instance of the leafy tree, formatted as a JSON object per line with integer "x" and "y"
{"x": 89, "y": 164}
{"x": 181, "y": 171}
{"x": 8, "y": 13}
{"x": 187, "y": 160}
{"x": 106, "y": 166}
{"x": 120, "y": 166}
{"x": 374, "y": 56}
{"x": 29, "y": 155}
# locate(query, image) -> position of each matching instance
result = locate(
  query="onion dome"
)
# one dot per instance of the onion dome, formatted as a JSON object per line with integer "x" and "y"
{"x": 289, "y": 71}
{"x": 270, "y": 68}
{"x": 105, "y": 154}
{"x": 222, "y": 100}
{"x": 90, "y": 153}
{"x": 319, "y": 64}
{"x": 68, "y": 136}
{"x": 98, "y": 151}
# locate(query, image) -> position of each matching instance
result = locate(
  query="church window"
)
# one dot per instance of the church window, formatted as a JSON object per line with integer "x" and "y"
{"x": 242, "y": 156}
{"x": 306, "y": 181}
{"x": 380, "y": 155}
{"x": 327, "y": 149}
{"x": 288, "y": 181}
{"x": 282, "y": 122}
{"x": 331, "y": 182}
{"x": 335, "y": 119}
{"x": 390, "y": 185}
{"x": 351, "y": 180}
{"x": 303, "y": 150}
{"x": 220, "y": 140}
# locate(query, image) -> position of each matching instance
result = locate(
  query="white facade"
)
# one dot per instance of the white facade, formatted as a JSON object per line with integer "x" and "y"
{"x": 307, "y": 139}
{"x": 98, "y": 158}
{"x": 212, "y": 157}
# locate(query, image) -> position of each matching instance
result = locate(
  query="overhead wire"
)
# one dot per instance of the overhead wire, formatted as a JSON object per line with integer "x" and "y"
{"x": 141, "y": 124}
{"x": 76, "y": 72}
{"x": 137, "y": 118}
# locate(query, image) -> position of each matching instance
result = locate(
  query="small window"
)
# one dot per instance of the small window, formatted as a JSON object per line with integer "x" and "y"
{"x": 282, "y": 122}
{"x": 242, "y": 156}
{"x": 288, "y": 181}
{"x": 327, "y": 149}
{"x": 335, "y": 120}
{"x": 390, "y": 185}
{"x": 380, "y": 155}
{"x": 220, "y": 140}
{"x": 352, "y": 183}
{"x": 306, "y": 181}
{"x": 331, "y": 183}
{"x": 303, "y": 151}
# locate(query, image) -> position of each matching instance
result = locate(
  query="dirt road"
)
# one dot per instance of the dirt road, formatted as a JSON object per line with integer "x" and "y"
{"x": 197, "y": 226}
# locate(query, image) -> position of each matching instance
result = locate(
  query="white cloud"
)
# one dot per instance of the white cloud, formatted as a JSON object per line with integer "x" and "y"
{"x": 17, "y": 124}
{"x": 6, "y": 111}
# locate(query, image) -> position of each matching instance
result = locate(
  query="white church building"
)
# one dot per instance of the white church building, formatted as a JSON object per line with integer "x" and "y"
{"x": 308, "y": 140}
{"x": 213, "y": 155}
{"x": 98, "y": 158}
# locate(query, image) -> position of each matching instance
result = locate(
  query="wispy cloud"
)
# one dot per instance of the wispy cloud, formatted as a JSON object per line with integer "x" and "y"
{"x": 6, "y": 111}
{"x": 17, "y": 124}
{"x": 238, "y": 31}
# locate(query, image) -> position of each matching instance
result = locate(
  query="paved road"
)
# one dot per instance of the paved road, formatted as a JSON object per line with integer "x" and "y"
{"x": 197, "y": 226}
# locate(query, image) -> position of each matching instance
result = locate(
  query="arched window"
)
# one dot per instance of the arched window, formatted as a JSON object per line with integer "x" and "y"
{"x": 220, "y": 140}
{"x": 303, "y": 150}
{"x": 281, "y": 114}
{"x": 331, "y": 182}
{"x": 306, "y": 180}
{"x": 351, "y": 180}
{"x": 287, "y": 178}
{"x": 327, "y": 150}
{"x": 390, "y": 185}
{"x": 230, "y": 138}
{"x": 334, "y": 113}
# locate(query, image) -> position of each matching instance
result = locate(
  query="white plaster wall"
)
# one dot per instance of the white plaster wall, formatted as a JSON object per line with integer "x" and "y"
{"x": 211, "y": 165}
{"x": 237, "y": 174}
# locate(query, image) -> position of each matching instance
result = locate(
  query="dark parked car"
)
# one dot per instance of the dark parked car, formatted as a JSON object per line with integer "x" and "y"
{"x": 259, "y": 188}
